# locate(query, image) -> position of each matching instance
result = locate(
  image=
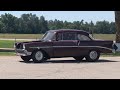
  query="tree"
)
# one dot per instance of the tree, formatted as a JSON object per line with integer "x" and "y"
{"x": 29, "y": 23}
{"x": 43, "y": 24}
{"x": 117, "y": 23}
{"x": 1, "y": 27}
{"x": 8, "y": 23}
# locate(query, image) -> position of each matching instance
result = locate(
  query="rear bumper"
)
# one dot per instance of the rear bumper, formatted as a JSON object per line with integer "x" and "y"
{"x": 22, "y": 52}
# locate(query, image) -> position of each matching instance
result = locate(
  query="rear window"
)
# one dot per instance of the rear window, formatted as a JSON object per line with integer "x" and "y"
{"x": 83, "y": 37}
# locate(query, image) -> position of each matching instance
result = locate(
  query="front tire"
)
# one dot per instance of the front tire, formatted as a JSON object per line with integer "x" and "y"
{"x": 26, "y": 58}
{"x": 38, "y": 56}
{"x": 93, "y": 56}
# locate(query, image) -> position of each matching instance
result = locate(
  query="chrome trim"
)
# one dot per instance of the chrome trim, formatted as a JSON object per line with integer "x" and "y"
{"x": 23, "y": 52}
{"x": 20, "y": 54}
{"x": 73, "y": 46}
{"x": 23, "y": 46}
{"x": 86, "y": 46}
{"x": 41, "y": 47}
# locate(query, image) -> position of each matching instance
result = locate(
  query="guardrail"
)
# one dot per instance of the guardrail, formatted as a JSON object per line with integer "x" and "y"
{"x": 7, "y": 49}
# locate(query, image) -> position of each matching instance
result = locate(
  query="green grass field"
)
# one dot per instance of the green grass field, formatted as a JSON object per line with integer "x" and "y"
{"x": 6, "y": 44}
{"x": 111, "y": 54}
{"x": 21, "y": 36}
{"x": 7, "y": 53}
{"x": 104, "y": 36}
{"x": 37, "y": 36}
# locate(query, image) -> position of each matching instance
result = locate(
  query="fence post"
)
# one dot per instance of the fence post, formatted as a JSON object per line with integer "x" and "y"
{"x": 15, "y": 40}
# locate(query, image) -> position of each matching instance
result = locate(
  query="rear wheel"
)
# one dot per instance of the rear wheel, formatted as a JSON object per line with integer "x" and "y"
{"x": 38, "y": 56}
{"x": 93, "y": 56}
{"x": 80, "y": 58}
{"x": 26, "y": 58}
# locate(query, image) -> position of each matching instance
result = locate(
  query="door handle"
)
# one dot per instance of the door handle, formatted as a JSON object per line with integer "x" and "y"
{"x": 78, "y": 43}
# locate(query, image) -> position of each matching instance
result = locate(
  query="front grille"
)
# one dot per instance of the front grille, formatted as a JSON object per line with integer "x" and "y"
{"x": 20, "y": 51}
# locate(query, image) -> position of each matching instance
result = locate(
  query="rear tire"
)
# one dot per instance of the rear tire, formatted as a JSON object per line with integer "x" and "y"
{"x": 93, "y": 56}
{"x": 38, "y": 56}
{"x": 26, "y": 58}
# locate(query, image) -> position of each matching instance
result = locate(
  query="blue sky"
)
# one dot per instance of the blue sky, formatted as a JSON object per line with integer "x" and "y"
{"x": 70, "y": 16}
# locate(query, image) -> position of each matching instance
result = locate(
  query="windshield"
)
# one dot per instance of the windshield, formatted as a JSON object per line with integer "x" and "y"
{"x": 48, "y": 36}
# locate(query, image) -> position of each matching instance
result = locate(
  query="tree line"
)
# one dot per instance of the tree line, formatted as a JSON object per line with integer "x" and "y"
{"x": 32, "y": 24}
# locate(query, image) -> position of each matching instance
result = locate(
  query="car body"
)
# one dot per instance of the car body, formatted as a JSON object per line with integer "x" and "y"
{"x": 64, "y": 43}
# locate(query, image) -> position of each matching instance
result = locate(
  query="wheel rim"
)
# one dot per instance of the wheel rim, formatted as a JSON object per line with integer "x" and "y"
{"x": 93, "y": 55}
{"x": 39, "y": 55}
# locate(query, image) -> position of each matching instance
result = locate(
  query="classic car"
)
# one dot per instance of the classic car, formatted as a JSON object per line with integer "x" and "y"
{"x": 78, "y": 44}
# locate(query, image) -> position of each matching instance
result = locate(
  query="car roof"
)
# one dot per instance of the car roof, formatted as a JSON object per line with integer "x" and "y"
{"x": 69, "y": 30}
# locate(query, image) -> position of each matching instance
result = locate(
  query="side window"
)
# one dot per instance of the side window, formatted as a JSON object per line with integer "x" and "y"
{"x": 54, "y": 37}
{"x": 59, "y": 36}
{"x": 69, "y": 36}
{"x": 83, "y": 37}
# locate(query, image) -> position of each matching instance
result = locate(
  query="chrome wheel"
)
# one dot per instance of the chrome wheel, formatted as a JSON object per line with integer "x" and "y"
{"x": 39, "y": 55}
{"x": 93, "y": 55}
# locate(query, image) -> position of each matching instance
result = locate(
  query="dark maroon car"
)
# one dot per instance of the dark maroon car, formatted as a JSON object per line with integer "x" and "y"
{"x": 64, "y": 43}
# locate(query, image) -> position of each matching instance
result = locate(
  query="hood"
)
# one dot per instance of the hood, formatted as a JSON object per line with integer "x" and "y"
{"x": 20, "y": 44}
{"x": 28, "y": 42}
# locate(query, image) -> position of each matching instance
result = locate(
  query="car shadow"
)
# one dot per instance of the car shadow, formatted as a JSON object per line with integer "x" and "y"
{"x": 73, "y": 61}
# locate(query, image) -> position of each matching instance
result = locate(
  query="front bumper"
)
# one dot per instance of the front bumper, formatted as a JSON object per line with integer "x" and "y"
{"x": 22, "y": 52}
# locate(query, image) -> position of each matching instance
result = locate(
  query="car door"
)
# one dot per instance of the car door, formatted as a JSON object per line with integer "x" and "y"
{"x": 65, "y": 44}
{"x": 84, "y": 44}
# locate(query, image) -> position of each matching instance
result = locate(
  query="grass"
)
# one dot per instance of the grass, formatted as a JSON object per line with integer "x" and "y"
{"x": 111, "y": 54}
{"x": 7, "y": 53}
{"x": 104, "y": 36}
{"x": 37, "y": 36}
{"x": 21, "y": 36}
{"x": 6, "y": 44}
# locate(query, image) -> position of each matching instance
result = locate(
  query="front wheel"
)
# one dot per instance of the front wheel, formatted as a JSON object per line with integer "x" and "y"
{"x": 26, "y": 58}
{"x": 38, "y": 56}
{"x": 93, "y": 56}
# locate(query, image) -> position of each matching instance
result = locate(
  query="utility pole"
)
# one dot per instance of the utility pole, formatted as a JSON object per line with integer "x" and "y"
{"x": 117, "y": 23}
